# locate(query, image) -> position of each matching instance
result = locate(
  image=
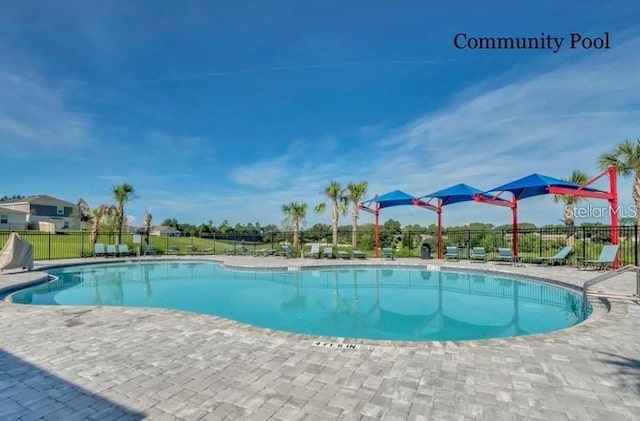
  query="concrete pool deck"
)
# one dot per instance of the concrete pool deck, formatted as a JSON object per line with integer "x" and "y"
{"x": 108, "y": 363}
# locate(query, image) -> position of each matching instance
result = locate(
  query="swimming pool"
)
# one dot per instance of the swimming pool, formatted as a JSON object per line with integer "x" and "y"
{"x": 373, "y": 302}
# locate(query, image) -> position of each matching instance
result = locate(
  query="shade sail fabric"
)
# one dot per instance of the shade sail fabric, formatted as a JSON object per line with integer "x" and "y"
{"x": 16, "y": 253}
{"x": 454, "y": 194}
{"x": 535, "y": 185}
{"x": 393, "y": 198}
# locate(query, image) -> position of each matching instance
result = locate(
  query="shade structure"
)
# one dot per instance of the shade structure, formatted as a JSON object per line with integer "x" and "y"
{"x": 538, "y": 184}
{"x": 448, "y": 196}
{"x": 392, "y": 198}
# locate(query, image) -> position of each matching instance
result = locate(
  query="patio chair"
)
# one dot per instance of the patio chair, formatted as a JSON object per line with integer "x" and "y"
{"x": 358, "y": 254}
{"x": 265, "y": 252}
{"x": 123, "y": 250}
{"x": 560, "y": 257}
{"x": 112, "y": 250}
{"x": 286, "y": 251}
{"x": 451, "y": 253}
{"x": 505, "y": 255}
{"x": 191, "y": 249}
{"x": 315, "y": 250}
{"x": 343, "y": 254}
{"x": 150, "y": 250}
{"x": 327, "y": 252}
{"x": 387, "y": 253}
{"x": 604, "y": 261}
{"x": 99, "y": 250}
{"x": 173, "y": 250}
{"x": 478, "y": 254}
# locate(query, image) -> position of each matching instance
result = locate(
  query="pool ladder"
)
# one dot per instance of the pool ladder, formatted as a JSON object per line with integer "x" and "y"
{"x": 609, "y": 275}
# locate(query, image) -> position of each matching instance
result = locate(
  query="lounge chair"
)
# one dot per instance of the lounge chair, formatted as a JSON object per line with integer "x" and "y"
{"x": 315, "y": 250}
{"x": 327, "y": 252}
{"x": 264, "y": 252}
{"x": 451, "y": 253}
{"x": 606, "y": 259}
{"x": 173, "y": 250}
{"x": 123, "y": 250}
{"x": 99, "y": 250}
{"x": 505, "y": 255}
{"x": 343, "y": 254}
{"x": 191, "y": 249}
{"x": 286, "y": 251}
{"x": 112, "y": 250}
{"x": 358, "y": 254}
{"x": 387, "y": 253}
{"x": 560, "y": 257}
{"x": 478, "y": 254}
{"x": 150, "y": 250}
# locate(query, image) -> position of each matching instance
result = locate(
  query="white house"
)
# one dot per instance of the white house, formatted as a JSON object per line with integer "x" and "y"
{"x": 163, "y": 230}
{"x": 12, "y": 220}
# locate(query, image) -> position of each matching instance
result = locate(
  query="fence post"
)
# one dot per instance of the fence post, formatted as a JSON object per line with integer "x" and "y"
{"x": 584, "y": 243}
{"x": 49, "y": 238}
{"x": 81, "y": 243}
{"x": 635, "y": 245}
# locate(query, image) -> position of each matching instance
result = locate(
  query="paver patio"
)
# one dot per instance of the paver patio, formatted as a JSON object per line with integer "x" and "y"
{"x": 106, "y": 363}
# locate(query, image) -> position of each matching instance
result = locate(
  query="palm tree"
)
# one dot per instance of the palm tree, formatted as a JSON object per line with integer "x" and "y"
{"x": 147, "y": 225}
{"x": 355, "y": 193}
{"x": 84, "y": 211}
{"x": 99, "y": 213}
{"x": 334, "y": 193}
{"x": 122, "y": 193}
{"x": 295, "y": 214}
{"x": 625, "y": 157}
{"x": 569, "y": 201}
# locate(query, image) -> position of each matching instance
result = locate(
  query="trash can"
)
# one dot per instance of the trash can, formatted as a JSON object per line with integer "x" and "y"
{"x": 425, "y": 251}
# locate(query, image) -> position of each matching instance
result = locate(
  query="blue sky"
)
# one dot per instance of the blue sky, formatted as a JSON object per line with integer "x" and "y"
{"x": 219, "y": 110}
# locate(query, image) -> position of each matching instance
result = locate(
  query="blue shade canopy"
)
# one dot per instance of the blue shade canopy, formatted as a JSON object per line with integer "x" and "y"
{"x": 393, "y": 198}
{"x": 535, "y": 185}
{"x": 454, "y": 194}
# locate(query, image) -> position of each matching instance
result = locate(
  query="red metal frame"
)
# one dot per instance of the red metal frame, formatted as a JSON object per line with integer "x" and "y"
{"x": 438, "y": 209}
{"x": 513, "y": 204}
{"x": 611, "y": 196}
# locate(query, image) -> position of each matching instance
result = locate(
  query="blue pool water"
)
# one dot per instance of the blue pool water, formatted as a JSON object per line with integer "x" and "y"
{"x": 364, "y": 302}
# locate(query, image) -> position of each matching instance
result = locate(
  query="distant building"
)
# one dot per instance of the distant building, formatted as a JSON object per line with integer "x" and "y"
{"x": 163, "y": 230}
{"x": 42, "y": 208}
{"x": 12, "y": 219}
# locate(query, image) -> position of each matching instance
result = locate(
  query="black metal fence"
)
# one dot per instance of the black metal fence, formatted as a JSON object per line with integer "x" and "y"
{"x": 537, "y": 242}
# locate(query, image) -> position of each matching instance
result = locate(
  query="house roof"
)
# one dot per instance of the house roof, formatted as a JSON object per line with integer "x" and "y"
{"x": 42, "y": 199}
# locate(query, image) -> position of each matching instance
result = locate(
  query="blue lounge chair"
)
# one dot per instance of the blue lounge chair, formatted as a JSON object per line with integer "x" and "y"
{"x": 358, "y": 254}
{"x": 99, "y": 250}
{"x": 149, "y": 249}
{"x": 605, "y": 261}
{"x": 286, "y": 251}
{"x": 315, "y": 250}
{"x": 123, "y": 250}
{"x": 560, "y": 257}
{"x": 478, "y": 254}
{"x": 343, "y": 254}
{"x": 328, "y": 252}
{"x": 451, "y": 253}
{"x": 173, "y": 250}
{"x": 387, "y": 253}
{"x": 504, "y": 255}
{"x": 112, "y": 250}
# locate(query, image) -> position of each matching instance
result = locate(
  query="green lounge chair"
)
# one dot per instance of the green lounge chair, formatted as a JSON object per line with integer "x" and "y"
{"x": 315, "y": 250}
{"x": 358, "y": 254}
{"x": 387, "y": 253}
{"x": 191, "y": 249}
{"x": 451, "y": 253}
{"x": 606, "y": 259}
{"x": 173, "y": 250}
{"x": 560, "y": 257}
{"x": 343, "y": 254}
{"x": 327, "y": 252}
{"x": 478, "y": 254}
{"x": 149, "y": 249}
{"x": 265, "y": 252}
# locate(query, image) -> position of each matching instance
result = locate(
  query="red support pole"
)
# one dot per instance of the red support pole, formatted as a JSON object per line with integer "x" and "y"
{"x": 439, "y": 230}
{"x": 613, "y": 209}
{"x": 377, "y": 231}
{"x": 514, "y": 212}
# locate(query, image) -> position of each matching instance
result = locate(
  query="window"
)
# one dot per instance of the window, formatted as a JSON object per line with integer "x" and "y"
{"x": 4, "y": 219}
{"x": 60, "y": 210}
